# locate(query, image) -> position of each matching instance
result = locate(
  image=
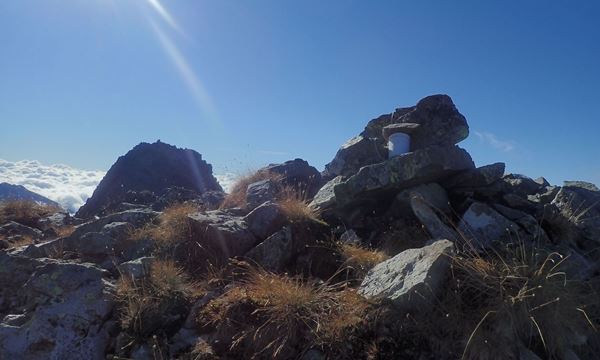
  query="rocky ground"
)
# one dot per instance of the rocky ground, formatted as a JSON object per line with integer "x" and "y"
{"x": 420, "y": 256}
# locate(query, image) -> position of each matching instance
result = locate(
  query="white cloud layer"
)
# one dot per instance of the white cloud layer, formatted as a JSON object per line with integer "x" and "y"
{"x": 67, "y": 186}
{"x": 226, "y": 180}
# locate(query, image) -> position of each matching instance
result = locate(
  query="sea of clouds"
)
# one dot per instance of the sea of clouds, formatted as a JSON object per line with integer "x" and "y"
{"x": 68, "y": 186}
{"x": 226, "y": 180}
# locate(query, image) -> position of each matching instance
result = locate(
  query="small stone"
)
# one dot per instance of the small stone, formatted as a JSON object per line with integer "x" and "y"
{"x": 137, "y": 268}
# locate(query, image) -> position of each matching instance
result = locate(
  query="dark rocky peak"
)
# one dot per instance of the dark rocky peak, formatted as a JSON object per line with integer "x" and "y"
{"x": 152, "y": 168}
{"x": 19, "y": 192}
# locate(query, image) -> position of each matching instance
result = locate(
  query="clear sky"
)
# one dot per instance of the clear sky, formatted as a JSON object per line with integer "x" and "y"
{"x": 247, "y": 83}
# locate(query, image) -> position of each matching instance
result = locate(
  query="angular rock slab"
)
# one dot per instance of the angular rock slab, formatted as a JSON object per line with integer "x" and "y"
{"x": 260, "y": 192}
{"x": 275, "y": 252}
{"x": 265, "y": 220}
{"x": 12, "y": 228}
{"x": 423, "y": 166}
{"x": 97, "y": 240}
{"x": 578, "y": 216}
{"x": 298, "y": 174}
{"x": 409, "y": 280}
{"x": 137, "y": 268}
{"x": 581, "y": 184}
{"x": 354, "y": 154}
{"x": 216, "y": 236}
{"x": 325, "y": 198}
{"x": 68, "y": 306}
{"x": 482, "y": 227}
{"x": 431, "y": 194}
{"x": 482, "y": 176}
{"x": 436, "y": 228}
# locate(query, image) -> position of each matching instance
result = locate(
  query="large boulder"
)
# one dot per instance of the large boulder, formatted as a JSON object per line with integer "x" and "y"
{"x": 521, "y": 185}
{"x": 300, "y": 247}
{"x": 412, "y": 279}
{"x": 354, "y": 154}
{"x": 54, "y": 221}
{"x": 275, "y": 252}
{"x": 419, "y": 167}
{"x": 215, "y": 236}
{"x": 266, "y": 219}
{"x": 12, "y": 228}
{"x": 530, "y": 228}
{"x": 62, "y": 310}
{"x": 325, "y": 198}
{"x": 580, "y": 184}
{"x": 150, "y": 167}
{"x": 438, "y": 123}
{"x": 137, "y": 268}
{"x": 482, "y": 176}
{"x": 99, "y": 240}
{"x": 431, "y": 194}
{"x": 574, "y": 217}
{"x": 482, "y": 227}
{"x": 428, "y": 216}
{"x": 299, "y": 175}
{"x": 136, "y": 217}
{"x": 261, "y": 191}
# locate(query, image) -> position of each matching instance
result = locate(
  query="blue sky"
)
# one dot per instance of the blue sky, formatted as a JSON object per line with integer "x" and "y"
{"x": 247, "y": 83}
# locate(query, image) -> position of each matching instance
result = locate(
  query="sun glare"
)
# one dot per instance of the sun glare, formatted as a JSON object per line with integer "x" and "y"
{"x": 164, "y": 14}
{"x": 185, "y": 71}
{"x": 178, "y": 59}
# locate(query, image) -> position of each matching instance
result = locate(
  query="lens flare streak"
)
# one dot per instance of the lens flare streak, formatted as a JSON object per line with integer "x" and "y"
{"x": 164, "y": 14}
{"x": 182, "y": 65}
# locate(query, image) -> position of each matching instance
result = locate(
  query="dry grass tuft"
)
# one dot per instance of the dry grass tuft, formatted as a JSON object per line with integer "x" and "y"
{"x": 237, "y": 195}
{"x": 25, "y": 212}
{"x": 202, "y": 351}
{"x": 360, "y": 259}
{"x": 295, "y": 206}
{"x": 526, "y": 293}
{"x": 168, "y": 278}
{"x": 520, "y": 296}
{"x": 152, "y": 304}
{"x": 23, "y": 240}
{"x": 173, "y": 226}
{"x": 269, "y": 315}
{"x": 58, "y": 251}
{"x": 65, "y": 231}
{"x": 291, "y": 199}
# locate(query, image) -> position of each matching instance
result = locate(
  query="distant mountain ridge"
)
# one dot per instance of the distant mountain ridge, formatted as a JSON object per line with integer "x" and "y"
{"x": 19, "y": 192}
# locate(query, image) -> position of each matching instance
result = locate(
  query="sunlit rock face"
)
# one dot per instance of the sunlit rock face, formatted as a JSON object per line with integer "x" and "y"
{"x": 150, "y": 168}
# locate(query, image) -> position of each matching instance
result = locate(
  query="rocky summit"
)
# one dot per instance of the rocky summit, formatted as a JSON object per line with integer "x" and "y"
{"x": 402, "y": 248}
{"x": 149, "y": 170}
